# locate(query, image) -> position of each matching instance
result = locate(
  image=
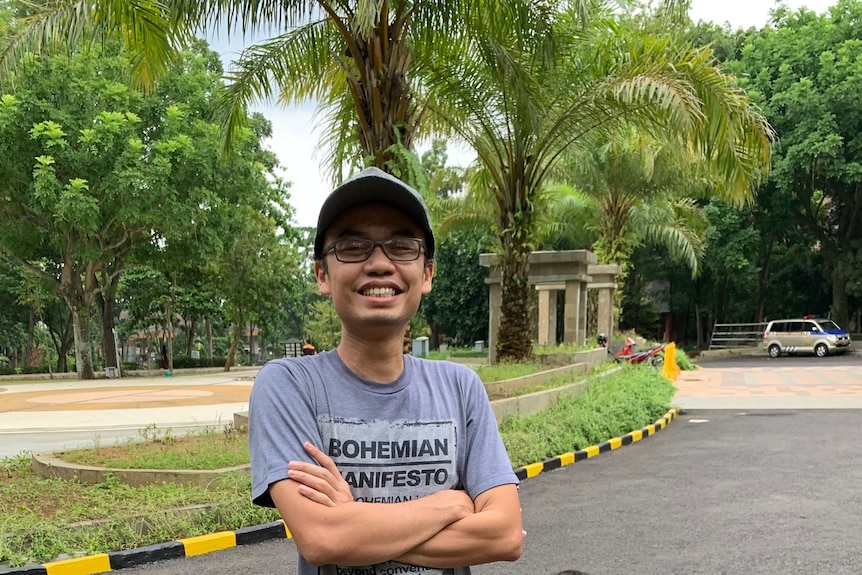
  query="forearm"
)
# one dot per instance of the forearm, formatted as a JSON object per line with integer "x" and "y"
{"x": 480, "y": 538}
{"x": 365, "y": 533}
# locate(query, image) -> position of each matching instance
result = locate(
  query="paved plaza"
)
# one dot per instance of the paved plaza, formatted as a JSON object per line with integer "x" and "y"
{"x": 84, "y": 411}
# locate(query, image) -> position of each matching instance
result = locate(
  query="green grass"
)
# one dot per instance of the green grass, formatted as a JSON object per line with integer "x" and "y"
{"x": 562, "y": 348}
{"x": 508, "y": 370}
{"x": 609, "y": 407}
{"x": 457, "y": 352}
{"x": 212, "y": 449}
{"x": 35, "y": 513}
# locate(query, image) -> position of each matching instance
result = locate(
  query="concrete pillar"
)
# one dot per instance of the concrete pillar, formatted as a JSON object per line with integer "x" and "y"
{"x": 605, "y": 319}
{"x": 495, "y": 303}
{"x": 547, "y": 316}
{"x": 604, "y": 279}
{"x": 548, "y": 312}
{"x": 571, "y": 312}
{"x": 582, "y": 316}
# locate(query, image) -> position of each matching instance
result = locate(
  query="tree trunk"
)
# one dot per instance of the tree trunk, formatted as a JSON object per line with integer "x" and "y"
{"x": 759, "y": 308}
{"x": 106, "y": 311}
{"x": 190, "y": 338}
{"x": 698, "y": 322}
{"x": 232, "y": 353}
{"x": 28, "y": 350}
{"x": 840, "y": 312}
{"x": 513, "y": 339}
{"x": 209, "y": 339}
{"x": 83, "y": 349}
{"x": 170, "y": 319}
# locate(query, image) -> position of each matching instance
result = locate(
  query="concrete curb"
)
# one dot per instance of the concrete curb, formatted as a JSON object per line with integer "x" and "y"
{"x": 47, "y": 465}
{"x": 116, "y": 560}
{"x": 559, "y": 461}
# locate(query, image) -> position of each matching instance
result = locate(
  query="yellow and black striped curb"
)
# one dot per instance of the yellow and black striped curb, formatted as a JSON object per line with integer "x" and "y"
{"x": 114, "y": 560}
{"x": 534, "y": 469}
{"x": 174, "y": 550}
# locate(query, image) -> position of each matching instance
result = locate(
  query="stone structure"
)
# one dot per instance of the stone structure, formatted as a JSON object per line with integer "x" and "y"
{"x": 604, "y": 279}
{"x": 549, "y": 272}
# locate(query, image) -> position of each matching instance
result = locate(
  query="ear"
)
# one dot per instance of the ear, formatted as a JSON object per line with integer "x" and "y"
{"x": 427, "y": 276}
{"x": 322, "y": 277}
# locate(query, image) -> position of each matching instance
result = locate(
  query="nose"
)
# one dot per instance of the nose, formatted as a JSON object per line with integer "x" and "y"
{"x": 378, "y": 257}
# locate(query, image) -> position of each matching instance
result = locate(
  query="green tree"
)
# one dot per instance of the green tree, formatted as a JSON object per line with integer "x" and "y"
{"x": 120, "y": 179}
{"x": 361, "y": 61}
{"x": 457, "y": 307}
{"x": 523, "y": 102}
{"x": 644, "y": 191}
{"x": 805, "y": 71}
{"x": 14, "y": 319}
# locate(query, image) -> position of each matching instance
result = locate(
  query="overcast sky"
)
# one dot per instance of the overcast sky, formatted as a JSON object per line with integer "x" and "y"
{"x": 294, "y": 139}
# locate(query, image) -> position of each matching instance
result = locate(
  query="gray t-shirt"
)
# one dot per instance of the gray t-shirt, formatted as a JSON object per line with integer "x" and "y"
{"x": 429, "y": 430}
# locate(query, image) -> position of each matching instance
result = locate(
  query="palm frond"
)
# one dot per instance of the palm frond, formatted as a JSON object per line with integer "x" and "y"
{"x": 144, "y": 27}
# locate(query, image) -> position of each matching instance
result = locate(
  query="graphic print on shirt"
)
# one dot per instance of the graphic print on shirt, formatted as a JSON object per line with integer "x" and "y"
{"x": 390, "y": 462}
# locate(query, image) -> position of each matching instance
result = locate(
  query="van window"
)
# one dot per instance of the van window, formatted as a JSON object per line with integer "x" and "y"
{"x": 795, "y": 326}
{"x": 829, "y": 325}
{"x": 778, "y": 326}
{"x": 810, "y": 326}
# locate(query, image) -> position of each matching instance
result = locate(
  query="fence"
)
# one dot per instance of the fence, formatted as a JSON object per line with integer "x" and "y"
{"x": 730, "y": 335}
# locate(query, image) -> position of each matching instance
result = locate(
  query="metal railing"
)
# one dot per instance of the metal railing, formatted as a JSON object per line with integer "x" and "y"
{"x": 730, "y": 335}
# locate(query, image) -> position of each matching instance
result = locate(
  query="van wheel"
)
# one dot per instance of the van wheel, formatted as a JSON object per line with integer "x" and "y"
{"x": 774, "y": 350}
{"x": 820, "y": 350}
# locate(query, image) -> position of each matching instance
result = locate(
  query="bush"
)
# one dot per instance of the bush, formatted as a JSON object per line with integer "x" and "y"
{"x": 683, "y": 361}
{"x": 610, "y": 406}
{"x": 183, "y": 362}
{"x": 6, "y": 370}
{"x": 29, "y": 369}
{"x": 130, "y": 366}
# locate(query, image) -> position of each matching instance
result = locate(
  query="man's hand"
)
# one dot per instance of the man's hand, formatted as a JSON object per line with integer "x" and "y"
{"x": 321, "y": 483}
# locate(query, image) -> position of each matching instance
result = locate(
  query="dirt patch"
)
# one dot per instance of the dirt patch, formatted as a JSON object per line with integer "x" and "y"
{"x": 126, "y": 398}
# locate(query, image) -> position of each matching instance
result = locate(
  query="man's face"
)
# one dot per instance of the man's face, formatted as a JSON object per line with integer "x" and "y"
{"x": 377, "y": 293}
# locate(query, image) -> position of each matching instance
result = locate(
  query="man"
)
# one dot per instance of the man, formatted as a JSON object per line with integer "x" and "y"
{"x": 380, "y": 462}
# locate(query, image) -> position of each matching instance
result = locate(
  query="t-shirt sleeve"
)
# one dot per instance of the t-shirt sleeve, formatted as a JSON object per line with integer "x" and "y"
{"x": 281, "y": 417}
{"x": 487, "y": 463}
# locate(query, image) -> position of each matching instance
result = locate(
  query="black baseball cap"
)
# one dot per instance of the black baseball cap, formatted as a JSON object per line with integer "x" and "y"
{"x": 373, "y": 186}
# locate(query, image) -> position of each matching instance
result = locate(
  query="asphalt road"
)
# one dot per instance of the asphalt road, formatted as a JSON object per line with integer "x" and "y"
{"x": 717, "y": 492}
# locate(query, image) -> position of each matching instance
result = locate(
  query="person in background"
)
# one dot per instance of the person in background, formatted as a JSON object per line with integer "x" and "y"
{"x": 308, "y": 348}
{"x": 380, "y": 462}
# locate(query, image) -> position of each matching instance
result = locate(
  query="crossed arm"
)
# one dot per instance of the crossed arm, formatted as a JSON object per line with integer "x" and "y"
{"x": 445, "y": 529}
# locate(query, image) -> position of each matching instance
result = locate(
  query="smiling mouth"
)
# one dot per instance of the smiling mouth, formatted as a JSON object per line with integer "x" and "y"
{"x": 379, "y": 292}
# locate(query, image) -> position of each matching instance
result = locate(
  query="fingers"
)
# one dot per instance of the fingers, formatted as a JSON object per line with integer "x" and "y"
{"x": 324, "y": 460}
{"x": 316, "y": 496}
{"x": 321, "y": 483}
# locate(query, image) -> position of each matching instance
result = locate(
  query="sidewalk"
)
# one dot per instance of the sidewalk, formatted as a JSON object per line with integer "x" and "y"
{"x": 126, "y": 403}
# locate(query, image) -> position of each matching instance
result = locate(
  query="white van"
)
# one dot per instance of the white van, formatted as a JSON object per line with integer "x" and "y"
{"x": 821, "y": 337}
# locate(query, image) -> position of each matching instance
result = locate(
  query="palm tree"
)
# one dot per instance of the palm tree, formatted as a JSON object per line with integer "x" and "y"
{"x": 526, "y": 102}
{"x": 362, "y": 61}
{"x": 643, "y": 191}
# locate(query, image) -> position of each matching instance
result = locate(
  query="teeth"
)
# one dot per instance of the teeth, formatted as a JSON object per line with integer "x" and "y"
{"x": 379, "y": 292}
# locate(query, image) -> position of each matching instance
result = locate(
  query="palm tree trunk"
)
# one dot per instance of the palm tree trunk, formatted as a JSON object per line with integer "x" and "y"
{"x": 513, "y": 339}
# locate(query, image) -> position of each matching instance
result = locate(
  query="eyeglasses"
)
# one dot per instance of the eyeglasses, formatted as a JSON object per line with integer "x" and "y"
{"x": 355, "y": 250}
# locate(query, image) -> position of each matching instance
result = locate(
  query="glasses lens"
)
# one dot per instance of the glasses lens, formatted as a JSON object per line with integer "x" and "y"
{"x": 353, "y": 250}
{"x": 402, "y": 249}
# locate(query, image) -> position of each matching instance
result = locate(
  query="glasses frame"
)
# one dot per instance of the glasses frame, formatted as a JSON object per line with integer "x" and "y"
{"x": 384, "y": 245}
